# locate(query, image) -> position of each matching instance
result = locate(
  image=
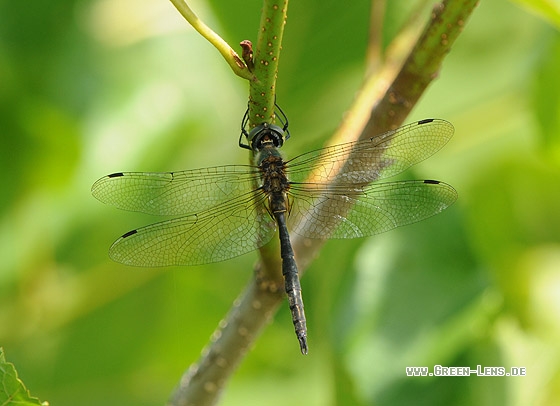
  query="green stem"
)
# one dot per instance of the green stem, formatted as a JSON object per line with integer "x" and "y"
{"x": 262, "y": 93}
{"x": 203, "y": 383}
{"x": 262, "y": 78}
{"x": 231, "y": 57}
{"x": 262, "y": 98}
{"x": 421, "y": 67}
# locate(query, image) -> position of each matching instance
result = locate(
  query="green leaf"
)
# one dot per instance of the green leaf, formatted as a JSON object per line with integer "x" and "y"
{"x": 12, "y": 390}
{"x": 549, "y": 10}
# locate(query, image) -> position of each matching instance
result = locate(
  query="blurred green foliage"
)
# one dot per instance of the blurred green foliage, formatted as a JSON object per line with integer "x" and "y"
{"x": 90, "y": 87}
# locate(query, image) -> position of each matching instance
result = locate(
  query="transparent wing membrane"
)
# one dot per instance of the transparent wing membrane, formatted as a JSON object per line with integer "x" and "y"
{"x": 226, "y": 231}
{"x": 375, "y": 158}
{"x": 225, "y": 208}
{"x": 175, "y": 193}
{"x": 351, "y": 213}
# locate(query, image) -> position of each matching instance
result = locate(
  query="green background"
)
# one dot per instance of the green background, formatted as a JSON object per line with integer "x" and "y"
{"x": 88, "y": 88}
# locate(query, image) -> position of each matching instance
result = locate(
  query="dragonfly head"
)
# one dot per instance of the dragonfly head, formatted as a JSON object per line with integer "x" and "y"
{"x": 267, "y": 134}
{"x": 264, "y": 134}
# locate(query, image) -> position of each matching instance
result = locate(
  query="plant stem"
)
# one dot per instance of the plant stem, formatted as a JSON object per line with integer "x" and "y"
{"x": 231, "y": 57}
{"x": 262, "y": 93}
{"x": 203, "y": 382}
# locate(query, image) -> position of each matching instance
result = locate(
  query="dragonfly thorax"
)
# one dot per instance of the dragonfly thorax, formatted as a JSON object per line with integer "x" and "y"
{"x": 273, "y": 172}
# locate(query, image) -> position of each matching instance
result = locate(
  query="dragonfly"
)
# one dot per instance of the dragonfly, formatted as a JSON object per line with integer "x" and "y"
{"x": 331, "y": 192}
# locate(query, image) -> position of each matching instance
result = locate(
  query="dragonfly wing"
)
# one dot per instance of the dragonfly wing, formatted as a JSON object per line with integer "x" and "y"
{"x": 226, "y": 231}
{"x": 346, "y": 212}
{"x": 175, "y": 193}
{"x": 379, "y": 157}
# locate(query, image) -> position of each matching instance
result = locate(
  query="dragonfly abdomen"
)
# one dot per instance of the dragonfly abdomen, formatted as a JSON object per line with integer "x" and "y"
{"x": 291, "y": 281}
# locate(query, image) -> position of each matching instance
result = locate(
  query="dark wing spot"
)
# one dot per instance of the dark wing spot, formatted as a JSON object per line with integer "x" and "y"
{"x": 432, "y": 182}
{"x": 425, "y": 121}
{"x": 129, "y": 233}
{"x": 115, "y": 175}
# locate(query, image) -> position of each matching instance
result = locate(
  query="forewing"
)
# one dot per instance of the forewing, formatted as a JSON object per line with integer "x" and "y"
{"x": 350, "y": 213}
{"x": 226, "y": 231}
{"x": 379, "y": 157}
{"x": 175, "y": 193}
